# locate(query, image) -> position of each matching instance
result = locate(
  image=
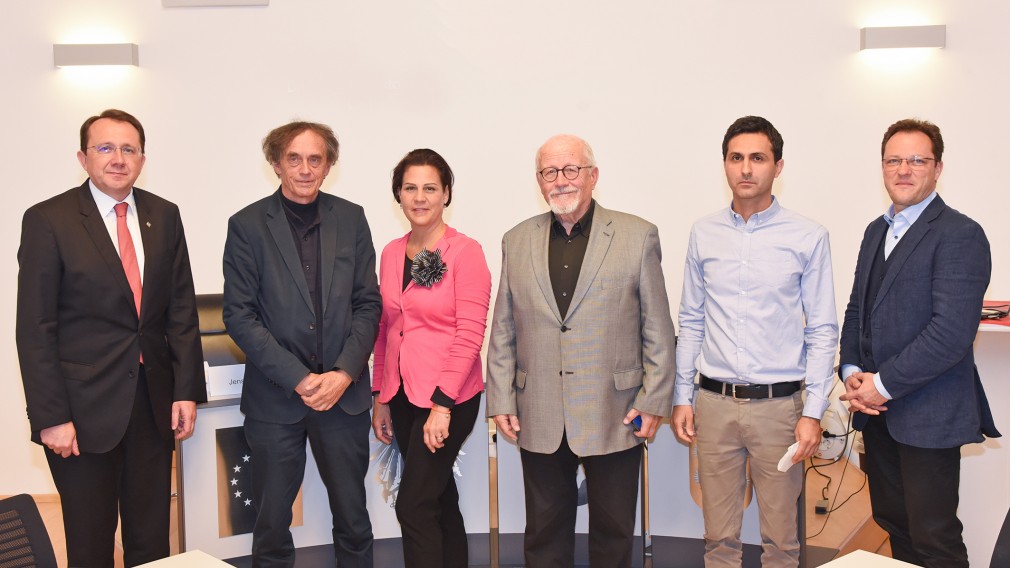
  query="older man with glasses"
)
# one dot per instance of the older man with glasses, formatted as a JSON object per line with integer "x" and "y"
{"x": 581, "y": 347}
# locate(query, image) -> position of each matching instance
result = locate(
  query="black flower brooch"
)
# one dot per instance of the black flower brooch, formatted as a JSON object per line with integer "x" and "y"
{"x": 427, "y": 268}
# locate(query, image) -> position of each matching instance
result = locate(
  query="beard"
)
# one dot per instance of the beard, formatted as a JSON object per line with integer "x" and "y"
{"x": 570, "y": 204}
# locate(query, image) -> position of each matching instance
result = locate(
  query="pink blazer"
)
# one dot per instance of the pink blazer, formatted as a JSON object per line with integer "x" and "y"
{"x": 432, "y": 336}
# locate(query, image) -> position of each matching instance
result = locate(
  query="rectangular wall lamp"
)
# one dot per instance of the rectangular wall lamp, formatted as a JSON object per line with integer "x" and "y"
{"x": 908, "y": 36}
{"x": 191, "y": 3}
{"x": 68, "y": 54}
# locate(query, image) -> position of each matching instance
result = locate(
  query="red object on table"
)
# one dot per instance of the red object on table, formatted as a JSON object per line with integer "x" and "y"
{"x": 1001, "y": 303}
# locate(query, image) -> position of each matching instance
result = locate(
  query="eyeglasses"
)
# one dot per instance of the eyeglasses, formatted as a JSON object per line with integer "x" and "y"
{"x": 571, "y": 172}
{"x": 295, "y": 160}
{"x": 109, "y": 149}
{"x": 914, "y": 162}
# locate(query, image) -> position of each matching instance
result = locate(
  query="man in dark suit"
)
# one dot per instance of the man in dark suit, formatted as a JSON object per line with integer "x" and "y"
{"x": 107, "y": 388}
{"x": 301, "y": 299}
{"x": 906, "y": 350}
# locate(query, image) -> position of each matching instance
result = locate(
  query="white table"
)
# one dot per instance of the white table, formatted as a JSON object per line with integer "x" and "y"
{"x": 863, "y": 559}
{"x": 191, "y": 559}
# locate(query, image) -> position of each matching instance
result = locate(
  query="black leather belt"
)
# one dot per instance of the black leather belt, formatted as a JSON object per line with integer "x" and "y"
{"x": 748, "y": 391}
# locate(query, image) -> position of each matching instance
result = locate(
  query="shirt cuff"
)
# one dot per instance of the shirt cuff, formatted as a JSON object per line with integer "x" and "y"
{"x": 877, "y": 382}
{"x": 683, "y": 393}
{"x": 442, "y": 399}
{"x": 815, "y": 406}
{"x": 849, "y": 369}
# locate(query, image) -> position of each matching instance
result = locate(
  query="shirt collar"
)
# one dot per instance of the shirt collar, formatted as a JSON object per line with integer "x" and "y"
{"x": 305, "y": 215}
{"x": 757, "y": 218}
{"x": 910, "y": 213}
{"x": 107, "y": 204}
{"x": 581, "y": 227}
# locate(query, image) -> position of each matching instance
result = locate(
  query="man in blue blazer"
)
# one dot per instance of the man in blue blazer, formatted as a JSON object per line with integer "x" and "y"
{"x": 906, "y": 350}
{"x": 302, "y": 301}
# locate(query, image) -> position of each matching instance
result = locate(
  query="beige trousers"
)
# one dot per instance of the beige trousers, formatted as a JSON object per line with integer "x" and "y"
{"x": 728, "y": 432}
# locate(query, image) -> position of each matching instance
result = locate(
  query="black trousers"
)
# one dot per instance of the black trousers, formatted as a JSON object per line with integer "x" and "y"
{"x": 133, "y": 480}
{"x": 339, "y": 443}
{"x": 427, "y": 504}
{"x": 914, "y": 495}
{"x": 552, "y": 502}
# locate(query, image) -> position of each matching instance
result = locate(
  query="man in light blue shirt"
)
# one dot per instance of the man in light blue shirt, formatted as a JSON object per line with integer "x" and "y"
{"x": 759, "y": 328}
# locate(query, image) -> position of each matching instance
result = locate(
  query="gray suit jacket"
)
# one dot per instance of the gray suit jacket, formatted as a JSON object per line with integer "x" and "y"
{"x": 269, "y": 313}
{"x": 614, "y": 350}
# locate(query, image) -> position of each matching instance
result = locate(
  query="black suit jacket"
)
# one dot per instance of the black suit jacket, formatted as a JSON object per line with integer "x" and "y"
{"x": 923, "y": 323}
{"x": 269, "y": 313}
{"x": 78, "y": 334}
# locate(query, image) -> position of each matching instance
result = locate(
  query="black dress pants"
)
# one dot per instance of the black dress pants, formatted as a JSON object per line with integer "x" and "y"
{"x": 914, "y": 495}
{"x": 339, "y": 443}
{"x": 427, "y": 504}
{"x": 133, "y": 480}
{"x": 552, "y": 502}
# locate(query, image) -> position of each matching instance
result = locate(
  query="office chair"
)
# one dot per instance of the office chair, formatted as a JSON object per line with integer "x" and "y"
{"x": 218, "y": 346}
{"x": 24, "y": 541}
{"x": 1001, "y": 554}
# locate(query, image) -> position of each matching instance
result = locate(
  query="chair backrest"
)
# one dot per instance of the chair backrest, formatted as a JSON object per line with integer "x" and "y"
{"x": 218, "y": 346}
{"x": 1001, "y": 554}
{"x": 24, "y": 541}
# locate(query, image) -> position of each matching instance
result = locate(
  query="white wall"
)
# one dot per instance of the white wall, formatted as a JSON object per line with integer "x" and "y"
{"x": 651, "y": 84}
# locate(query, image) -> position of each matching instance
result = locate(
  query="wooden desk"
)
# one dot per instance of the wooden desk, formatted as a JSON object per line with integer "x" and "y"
{"x": 851, "y": 526}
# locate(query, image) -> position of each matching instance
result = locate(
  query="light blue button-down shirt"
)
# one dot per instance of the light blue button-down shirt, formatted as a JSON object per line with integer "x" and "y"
{"x": 898, "y": 225}
{"x": 758, "y": 304}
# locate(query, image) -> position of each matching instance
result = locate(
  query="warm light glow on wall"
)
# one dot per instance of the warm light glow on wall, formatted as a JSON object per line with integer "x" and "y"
{"x": 897, "y": 16}
{"x": 896, "y": 61}
{"x": 93, "y": 34}
{"x": 96, "y": 78}
{"x": 219, "y": 3}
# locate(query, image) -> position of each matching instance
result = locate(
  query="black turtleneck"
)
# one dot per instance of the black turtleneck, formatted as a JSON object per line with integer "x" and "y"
{"x": 303, "y": 218}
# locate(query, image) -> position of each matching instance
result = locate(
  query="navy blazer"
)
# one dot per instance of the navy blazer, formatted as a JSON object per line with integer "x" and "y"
{"x": 78, "y": 333}
{"x": 269, "y": 313}
{"x": 923, "y": 324}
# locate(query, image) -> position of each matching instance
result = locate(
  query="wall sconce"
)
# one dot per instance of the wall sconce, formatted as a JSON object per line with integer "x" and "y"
{"x": 192, "y": 3}
{"x": 69, "y": 54}
{"x": 908, "y": 36}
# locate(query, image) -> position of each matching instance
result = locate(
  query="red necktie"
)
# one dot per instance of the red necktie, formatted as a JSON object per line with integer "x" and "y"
{"x": 128, "y": 254}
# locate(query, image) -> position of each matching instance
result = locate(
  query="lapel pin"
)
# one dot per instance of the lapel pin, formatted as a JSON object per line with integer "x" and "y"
{"x": 148, "y": 224}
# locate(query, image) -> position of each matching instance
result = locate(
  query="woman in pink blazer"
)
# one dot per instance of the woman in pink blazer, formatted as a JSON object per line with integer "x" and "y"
{"x": 435, "y": 288}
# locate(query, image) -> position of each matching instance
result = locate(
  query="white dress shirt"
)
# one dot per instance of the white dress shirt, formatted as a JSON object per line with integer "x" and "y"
{"x": 106, "y": 208}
